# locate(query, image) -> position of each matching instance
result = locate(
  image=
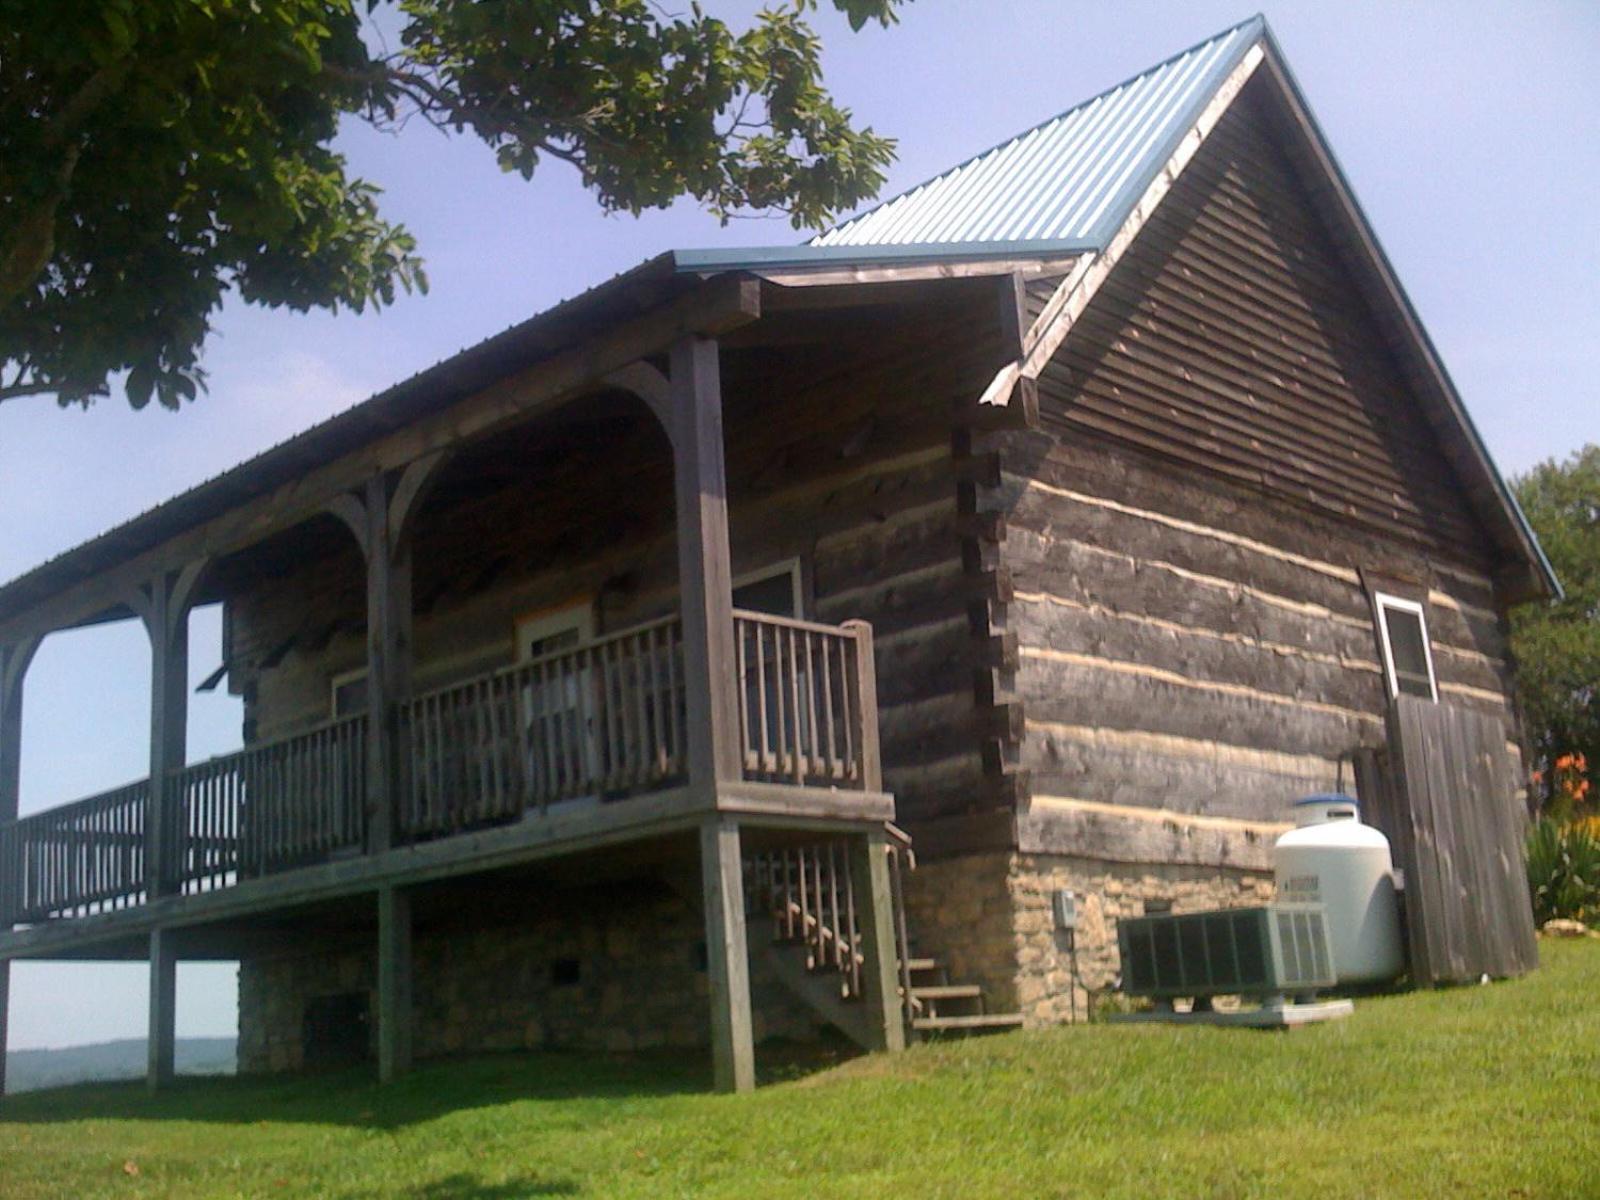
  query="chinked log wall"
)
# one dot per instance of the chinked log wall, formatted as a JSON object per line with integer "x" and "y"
{"x": 1225, "y": 443}
{"x": 842, "y": 460}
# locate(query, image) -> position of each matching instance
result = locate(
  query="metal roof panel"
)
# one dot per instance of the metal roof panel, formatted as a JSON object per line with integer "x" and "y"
{"x": 1068, "y": 178}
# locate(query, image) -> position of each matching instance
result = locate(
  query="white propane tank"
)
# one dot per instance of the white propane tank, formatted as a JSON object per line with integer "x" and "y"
{"x": 1330, "y": 858}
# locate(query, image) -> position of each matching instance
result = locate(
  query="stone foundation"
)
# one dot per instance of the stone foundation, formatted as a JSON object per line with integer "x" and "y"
{"x": 1106, "y": 892}
{"x": 613, "y": 969}
{"x": 988, "y": 918}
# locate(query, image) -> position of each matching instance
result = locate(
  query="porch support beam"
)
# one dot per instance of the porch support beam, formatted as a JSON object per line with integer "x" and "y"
{"x": 162, "y": 1041}
{"x": 880, "y": 975}
{"x": 705, "y": 574}
{"x": 727, "y": 957}
{"x": 163, "y": 605}
{"x": 395, "y": 1016}
{"x": 388, "y": 660}
{"x": 380, "y": 517}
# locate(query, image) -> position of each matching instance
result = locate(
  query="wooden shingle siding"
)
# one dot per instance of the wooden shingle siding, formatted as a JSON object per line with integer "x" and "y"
{"x": 1232, "y": 338}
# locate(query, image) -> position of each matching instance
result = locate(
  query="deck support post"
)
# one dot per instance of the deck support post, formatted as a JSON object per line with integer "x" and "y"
{"x": 880, "y": 974}
{"x": 727, "y": 957}
{"x": 164, "y": 605}
{"x": 394, "y": 984}
{"x": 14, "y": 660}
{"x": 163, "y": 1009}
{"x": 705, "y": 573}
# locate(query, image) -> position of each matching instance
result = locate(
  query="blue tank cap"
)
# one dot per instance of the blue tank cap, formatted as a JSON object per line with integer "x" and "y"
{"x": 1327, "y": 798}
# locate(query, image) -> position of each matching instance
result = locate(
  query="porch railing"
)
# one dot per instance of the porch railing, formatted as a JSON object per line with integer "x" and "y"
{"x": 77, "y": 859}
{"x": 806, "y": 709}
{"x": 602, "y": 719}
{"x": 809, "y": 891}
{"x": 273, "y": 806}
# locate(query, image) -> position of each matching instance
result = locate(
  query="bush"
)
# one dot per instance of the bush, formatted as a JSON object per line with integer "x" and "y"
{"x": 1564, "y": 870}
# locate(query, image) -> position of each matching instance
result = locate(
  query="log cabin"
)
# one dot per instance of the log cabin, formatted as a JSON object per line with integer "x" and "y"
{"x": 761, "y": 639}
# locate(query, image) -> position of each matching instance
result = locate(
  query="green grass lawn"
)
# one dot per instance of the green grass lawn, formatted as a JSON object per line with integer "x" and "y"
{"x": 1482, "y": 1091}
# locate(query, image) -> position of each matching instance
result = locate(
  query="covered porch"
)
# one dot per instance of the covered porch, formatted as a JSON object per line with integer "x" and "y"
{"x": 744, "y": 732}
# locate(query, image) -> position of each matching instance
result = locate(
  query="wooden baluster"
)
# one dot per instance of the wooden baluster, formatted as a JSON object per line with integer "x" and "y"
{"x": 817, "y": 902}
{"x": 640, "y": 775}
{"x": 796, "y": 714}
{"x": 839, "y": 939}
{"x": 759, "y": 630}
{"x": 674, "y": 686}
{"x": 853, "y": 962}
{"x": 813, "y": 709}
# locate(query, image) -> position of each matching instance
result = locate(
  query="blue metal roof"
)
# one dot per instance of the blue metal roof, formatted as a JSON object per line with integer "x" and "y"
{"x": 1069, "y": 180}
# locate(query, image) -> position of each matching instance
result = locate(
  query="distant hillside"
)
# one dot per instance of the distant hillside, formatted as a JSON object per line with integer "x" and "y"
{"x": 29, "y": 1070}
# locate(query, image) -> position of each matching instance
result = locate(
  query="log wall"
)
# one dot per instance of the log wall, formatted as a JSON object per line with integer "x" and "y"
{"x": 1226, "y": 452}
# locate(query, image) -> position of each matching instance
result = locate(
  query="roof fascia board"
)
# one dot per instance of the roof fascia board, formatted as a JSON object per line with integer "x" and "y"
{"x": 1416, "y": 333}
{"x": 1026, "y": 268}
{"x": 762, "y": 259}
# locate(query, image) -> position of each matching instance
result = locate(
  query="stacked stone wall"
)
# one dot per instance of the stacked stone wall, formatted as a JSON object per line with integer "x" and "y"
{"x": 508, "y": 983}
{"x": 988, "y": 917}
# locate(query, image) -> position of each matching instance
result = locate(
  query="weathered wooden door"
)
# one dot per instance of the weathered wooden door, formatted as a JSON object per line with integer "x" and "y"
{"x": 1445, "y": 795}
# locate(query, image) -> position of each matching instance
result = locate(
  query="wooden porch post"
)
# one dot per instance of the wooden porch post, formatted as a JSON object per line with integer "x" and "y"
{"x": 14, "y": 660}
{"x": 380, "y": 518}
{"x": 705, "y": 588}
{"x": 705, "y": 574}
{"x": 880, "y": 973}
{"x": 164, "y": 607}
{"x": 394, "y": 984}
{"x": 727, "y": 957}
{"x": 388, "y": 661}
{"x": 163, "y": 1009}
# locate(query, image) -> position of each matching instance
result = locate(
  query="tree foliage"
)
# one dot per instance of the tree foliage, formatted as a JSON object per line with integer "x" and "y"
{"x": 1557, "y": 646}
{"x": 156, "y": 154}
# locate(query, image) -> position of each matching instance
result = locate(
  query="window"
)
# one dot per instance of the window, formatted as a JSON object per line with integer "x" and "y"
{"x": 347, "y": 693}
{"x": 1407, "y": 660}
{"x": 554, "y": 630}
{"x": 772, "y": 590}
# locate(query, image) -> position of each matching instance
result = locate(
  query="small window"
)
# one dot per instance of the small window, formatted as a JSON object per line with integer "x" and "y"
{"x": 1407, "y": 660}
{"x": 554, "y": 630}
{"x": 347, "y": 693}
{"x": 774, "y": 590}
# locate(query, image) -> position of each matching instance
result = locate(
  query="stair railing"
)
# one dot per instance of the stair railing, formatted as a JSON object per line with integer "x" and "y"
{"x": 809, "y": 892}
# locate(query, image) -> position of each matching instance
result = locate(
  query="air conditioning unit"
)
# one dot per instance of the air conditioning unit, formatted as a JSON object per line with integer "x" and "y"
{"x": 1271, "y": 950}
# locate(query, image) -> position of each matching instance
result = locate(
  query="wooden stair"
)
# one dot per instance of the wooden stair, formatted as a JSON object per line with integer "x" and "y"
{"x": 803, "y": 916}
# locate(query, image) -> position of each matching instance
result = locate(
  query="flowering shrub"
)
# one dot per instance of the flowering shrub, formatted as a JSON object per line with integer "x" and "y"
{"x": 1564, "y": 847}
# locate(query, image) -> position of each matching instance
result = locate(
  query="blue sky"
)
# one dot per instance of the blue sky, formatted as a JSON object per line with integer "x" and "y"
{"x": 1470, "y": 131}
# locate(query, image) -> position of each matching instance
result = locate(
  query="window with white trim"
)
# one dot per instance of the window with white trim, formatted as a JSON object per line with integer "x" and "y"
{"x": 1407, "y": 658}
